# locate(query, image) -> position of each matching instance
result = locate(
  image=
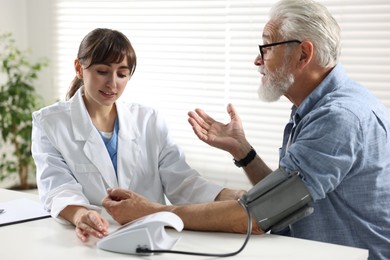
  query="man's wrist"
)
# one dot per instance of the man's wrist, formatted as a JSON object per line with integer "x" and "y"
{"x": 247, "y": 159}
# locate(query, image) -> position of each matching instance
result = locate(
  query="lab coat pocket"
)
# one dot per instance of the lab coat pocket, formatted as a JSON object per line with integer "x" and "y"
{"x": 92, "y": 181}
{"x": 86, "y": 173}
{"x": 85, "y": 168}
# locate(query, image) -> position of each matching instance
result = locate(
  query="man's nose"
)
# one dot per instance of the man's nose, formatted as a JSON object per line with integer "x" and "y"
{"x": 258, "y": 60}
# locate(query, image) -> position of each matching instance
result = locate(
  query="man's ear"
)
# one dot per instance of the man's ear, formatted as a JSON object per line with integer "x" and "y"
{"x": 307, "y": 52}
{"x": 78, "y": 68}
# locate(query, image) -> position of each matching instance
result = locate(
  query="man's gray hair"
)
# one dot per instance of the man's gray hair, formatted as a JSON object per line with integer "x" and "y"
{"x": 309, "y": 20}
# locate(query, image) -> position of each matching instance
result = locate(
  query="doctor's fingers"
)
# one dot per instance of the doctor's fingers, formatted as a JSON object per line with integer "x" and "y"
{"x": 98, "y": 222}
{"x": 81, "y": 234}
{"x": 84, "y": 234}
{"x": 92, "y": 223}
{"x": 84, "y": 230}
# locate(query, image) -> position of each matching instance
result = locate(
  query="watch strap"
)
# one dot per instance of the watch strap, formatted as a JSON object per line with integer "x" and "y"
{"x": 248, "y": 158}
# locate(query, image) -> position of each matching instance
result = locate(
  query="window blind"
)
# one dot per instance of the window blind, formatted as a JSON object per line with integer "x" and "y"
{"x": 200, "y": 54}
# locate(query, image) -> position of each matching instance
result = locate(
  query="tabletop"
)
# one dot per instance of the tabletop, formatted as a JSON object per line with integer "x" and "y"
{"x": 47, "y": 239}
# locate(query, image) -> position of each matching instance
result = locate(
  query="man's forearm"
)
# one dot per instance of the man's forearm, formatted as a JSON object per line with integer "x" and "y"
{"x": 221, "y": 216}
{"x": 257, "y": 170}
{"x": 229, "y": 194}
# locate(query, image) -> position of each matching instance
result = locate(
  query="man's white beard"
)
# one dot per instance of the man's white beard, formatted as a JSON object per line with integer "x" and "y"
{"x": 276, "y": 84}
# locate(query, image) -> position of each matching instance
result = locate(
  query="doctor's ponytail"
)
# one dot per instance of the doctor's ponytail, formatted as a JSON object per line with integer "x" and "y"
{"x": 74, "y": 86}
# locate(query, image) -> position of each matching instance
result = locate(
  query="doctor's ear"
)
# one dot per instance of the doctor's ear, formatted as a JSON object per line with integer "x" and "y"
{"x": 78, "y": 68}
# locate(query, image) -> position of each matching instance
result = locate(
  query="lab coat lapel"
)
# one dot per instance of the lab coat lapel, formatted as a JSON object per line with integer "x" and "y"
{"x": 128, "y": 148}
{"x": 94, "y": 147}
{"x": 96, "y": 152}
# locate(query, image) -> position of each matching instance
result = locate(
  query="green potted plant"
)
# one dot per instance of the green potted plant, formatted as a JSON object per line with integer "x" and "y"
{"x": 18, "y": 99}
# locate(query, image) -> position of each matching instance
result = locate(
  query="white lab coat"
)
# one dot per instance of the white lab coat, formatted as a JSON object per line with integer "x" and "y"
{"x": 74, "y": 167}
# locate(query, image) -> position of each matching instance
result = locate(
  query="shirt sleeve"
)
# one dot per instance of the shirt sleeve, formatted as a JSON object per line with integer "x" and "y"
{"x": 326, "y": 146}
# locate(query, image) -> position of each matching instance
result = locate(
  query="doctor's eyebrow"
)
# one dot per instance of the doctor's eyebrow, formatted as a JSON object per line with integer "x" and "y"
{"x": 110, "y": 65}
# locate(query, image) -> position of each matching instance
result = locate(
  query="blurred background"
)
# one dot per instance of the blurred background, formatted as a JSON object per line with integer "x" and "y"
{"x": 194, "y": 54}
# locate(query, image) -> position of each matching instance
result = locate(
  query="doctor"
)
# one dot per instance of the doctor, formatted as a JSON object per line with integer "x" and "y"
{"x": 93, "y": 142}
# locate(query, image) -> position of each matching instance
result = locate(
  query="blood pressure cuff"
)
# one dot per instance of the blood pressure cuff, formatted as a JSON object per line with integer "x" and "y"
{"x": 277, "y": 201}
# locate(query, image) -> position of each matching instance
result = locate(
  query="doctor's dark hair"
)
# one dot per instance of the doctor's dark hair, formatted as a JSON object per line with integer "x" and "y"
{"x": 103, "y": 46}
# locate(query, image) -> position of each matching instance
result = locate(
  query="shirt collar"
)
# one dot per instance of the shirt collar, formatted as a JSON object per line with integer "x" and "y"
{"x": 329, "y": 84}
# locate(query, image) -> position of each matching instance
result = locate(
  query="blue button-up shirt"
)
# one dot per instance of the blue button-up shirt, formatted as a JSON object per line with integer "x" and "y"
{"x": 340, "y": 143}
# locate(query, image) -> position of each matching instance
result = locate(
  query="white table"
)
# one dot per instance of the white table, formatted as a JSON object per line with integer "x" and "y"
{"x": 47, "y": 239}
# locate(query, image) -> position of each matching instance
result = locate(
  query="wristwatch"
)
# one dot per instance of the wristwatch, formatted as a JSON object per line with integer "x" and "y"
{"x": 248, "y": 158}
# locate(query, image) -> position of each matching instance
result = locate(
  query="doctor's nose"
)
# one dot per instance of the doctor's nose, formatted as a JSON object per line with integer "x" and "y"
{"x": 111, "y": 81}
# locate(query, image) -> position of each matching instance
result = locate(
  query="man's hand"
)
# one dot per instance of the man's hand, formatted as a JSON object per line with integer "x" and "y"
{"x": 229, "y": 137}
{"x": 125, "y": 206}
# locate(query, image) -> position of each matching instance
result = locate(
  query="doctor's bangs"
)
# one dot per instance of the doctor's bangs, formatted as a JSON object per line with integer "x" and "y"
{"x": 110, "y": 47}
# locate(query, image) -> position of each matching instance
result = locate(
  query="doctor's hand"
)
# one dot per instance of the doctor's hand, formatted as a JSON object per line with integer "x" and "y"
{"x": 88, "y": 222}
{"x": 125, "y": 206}
{"x": 229, "y": 137}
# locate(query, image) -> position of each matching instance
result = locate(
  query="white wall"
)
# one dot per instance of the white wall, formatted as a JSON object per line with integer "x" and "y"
{"x": 13, "y": 19}
{"x": 30, "y": 23}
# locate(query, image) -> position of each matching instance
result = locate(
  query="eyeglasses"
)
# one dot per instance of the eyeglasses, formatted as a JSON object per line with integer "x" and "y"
{"x": 264, "y": 48}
